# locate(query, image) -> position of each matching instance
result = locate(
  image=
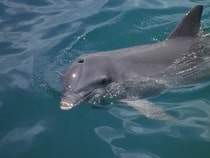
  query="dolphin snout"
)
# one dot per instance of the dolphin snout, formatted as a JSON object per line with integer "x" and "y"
{"x": 65, "y": 105}
{"x": 68, "y": 102}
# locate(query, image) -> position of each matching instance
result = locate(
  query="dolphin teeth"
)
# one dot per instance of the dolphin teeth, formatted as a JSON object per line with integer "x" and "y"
{"x": 66, "y": 106}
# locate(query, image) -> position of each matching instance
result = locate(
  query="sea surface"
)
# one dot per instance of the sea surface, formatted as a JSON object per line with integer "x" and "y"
{"x": 40, "y": 38}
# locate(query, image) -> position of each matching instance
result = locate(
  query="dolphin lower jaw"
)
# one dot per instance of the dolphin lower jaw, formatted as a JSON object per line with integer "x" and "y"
{"x": 65, "y": 105}
{"x": 69, "y": 101}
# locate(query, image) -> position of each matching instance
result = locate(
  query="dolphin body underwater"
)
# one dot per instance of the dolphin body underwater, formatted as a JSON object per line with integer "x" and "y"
{"x": 133, "y": 74}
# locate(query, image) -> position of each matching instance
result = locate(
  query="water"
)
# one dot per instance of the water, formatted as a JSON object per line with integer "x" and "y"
{"x": 38, "y": 40}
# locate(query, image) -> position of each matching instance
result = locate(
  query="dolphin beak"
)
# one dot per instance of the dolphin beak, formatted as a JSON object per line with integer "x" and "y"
{"x": 68, "y": 102}
{"x": 66, "y": 106}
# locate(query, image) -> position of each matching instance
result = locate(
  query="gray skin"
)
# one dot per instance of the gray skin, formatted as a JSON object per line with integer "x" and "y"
{"x": 139, "y": 71}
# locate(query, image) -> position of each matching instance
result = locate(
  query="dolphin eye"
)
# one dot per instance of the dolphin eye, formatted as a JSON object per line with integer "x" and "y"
{"x": 105, "y": 81}
{"x": 81, "y": 61}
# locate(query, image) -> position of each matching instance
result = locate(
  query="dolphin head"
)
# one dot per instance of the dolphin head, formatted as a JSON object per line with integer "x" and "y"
{"x": 86, "y": 77}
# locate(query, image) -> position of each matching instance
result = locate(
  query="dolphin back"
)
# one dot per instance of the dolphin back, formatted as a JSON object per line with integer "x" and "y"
{"x": 190, "y": 25}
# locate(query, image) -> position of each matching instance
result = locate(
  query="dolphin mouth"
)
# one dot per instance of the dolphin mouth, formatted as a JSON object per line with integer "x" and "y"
{"x": 69, "y": 101}
{"x": 66, "y": 106}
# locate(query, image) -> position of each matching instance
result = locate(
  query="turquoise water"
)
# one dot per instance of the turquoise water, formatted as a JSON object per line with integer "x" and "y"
{"x": 38, "y": 40}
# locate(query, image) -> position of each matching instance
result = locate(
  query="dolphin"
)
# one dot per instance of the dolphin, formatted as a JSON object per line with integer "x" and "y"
{"x": 139, "y": 72}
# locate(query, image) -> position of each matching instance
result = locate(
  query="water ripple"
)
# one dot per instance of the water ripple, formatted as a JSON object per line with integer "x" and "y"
{"x": 38, "y": 39}
{"x": 108, "y": 134}
{"x": 29, "y": 28}
{"x": 23, "y": 134}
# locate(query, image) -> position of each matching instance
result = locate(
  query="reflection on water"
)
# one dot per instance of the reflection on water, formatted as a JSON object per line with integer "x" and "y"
{"x": 20, "y": 139}
{"x": 38, "y": 40}
{"x": 191, "y": 128}
{"x": 192, "y": 123}
{"x": 109, "y": 134}
{"x": 23, "y": 134}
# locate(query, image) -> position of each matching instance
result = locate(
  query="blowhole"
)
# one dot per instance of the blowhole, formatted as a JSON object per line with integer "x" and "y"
{"x": 81, "y": 61}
